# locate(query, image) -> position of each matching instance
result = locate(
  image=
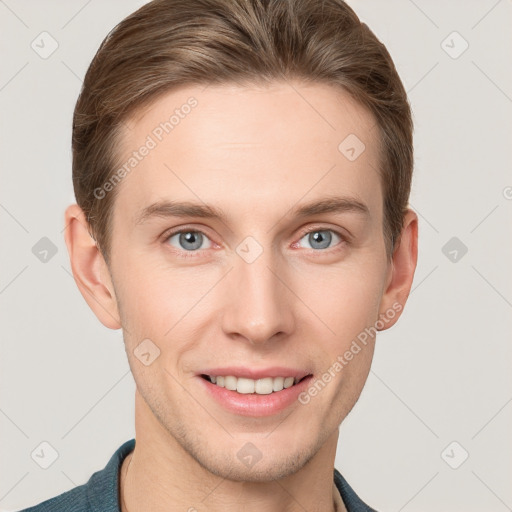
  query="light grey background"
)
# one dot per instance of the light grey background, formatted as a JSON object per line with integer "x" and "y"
{"x": 442, "y": 374}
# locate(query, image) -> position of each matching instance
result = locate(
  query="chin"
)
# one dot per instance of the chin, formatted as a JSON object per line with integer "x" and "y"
{"x": 269, "y": 468}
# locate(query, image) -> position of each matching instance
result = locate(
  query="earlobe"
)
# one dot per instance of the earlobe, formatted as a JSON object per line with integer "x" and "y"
{"x": 402, "y": 268}
{"x": 89, "y": 268}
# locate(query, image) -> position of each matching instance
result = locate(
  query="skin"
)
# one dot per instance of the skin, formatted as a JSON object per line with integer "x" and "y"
{"x": 255, "y": 152}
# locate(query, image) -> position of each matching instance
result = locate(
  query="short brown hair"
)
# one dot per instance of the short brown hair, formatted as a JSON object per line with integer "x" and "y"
{"x": 171, "y": 43}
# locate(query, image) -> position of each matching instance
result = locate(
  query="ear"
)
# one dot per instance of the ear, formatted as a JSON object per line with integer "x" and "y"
{"x": 401, "y": 272}
{"x": 89, "y": 268}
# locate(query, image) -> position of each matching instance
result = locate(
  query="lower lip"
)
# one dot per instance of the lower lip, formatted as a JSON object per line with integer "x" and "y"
{"x": 252, "y": 404}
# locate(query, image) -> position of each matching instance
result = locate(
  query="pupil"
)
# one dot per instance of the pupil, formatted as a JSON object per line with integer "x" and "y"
{"x": 321, "y": 237}
{"x": 192, "y": 238}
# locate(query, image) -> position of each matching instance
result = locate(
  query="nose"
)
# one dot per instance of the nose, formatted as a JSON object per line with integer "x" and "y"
{"x": 260, "y": 305}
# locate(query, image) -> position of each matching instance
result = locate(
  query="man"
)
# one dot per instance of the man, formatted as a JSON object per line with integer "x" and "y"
{"x": 242, "y": 171}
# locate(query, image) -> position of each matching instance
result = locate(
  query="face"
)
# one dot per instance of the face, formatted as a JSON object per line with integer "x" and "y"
{"x": 268, "y": 289}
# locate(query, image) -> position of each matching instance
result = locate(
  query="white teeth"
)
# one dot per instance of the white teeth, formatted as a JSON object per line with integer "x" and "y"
{"x": 263, "y": 386}
{"x": 230, "y": 383}
{"x": 288, "y": 382}
{"x": 278, "y": 384}
{"x": 244, "y": 385}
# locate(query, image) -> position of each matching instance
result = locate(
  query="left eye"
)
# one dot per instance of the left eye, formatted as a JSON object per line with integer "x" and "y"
{"x": 320, "y": 238}
{"x": 189, "y": 240}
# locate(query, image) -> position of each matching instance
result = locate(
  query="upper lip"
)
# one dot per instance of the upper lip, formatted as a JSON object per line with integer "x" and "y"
{"x": 256, "y": 373}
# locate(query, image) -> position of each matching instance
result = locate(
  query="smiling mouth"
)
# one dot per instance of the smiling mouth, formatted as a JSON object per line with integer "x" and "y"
{"x": 264, "y": 386}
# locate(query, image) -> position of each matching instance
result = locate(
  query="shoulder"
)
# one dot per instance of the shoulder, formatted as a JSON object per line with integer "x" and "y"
{"x": 99, "y": 494}
{"x": 74, "y": 500}
{"x": 352, "y": 501}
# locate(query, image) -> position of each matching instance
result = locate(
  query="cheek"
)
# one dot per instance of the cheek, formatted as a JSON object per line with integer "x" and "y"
{"x": 342, "y": 302}
{"x": 163, "y": 304}
{"x": 154, "y": 307}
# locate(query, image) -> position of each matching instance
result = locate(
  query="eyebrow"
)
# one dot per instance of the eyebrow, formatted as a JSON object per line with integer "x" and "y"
{"x": 164, "y": 209}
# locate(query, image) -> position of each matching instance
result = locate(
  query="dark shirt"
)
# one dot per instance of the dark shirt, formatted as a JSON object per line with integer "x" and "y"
{"x": 101, "y": 492}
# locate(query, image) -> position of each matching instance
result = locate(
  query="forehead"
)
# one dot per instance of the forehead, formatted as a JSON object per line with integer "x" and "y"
{"x": 244, "y": 147}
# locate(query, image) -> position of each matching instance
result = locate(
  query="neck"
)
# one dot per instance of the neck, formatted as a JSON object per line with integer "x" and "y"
{"x": 160, "y": 475}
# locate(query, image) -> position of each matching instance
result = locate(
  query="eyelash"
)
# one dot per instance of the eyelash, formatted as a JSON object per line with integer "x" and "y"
{"x": 196, "y": 253}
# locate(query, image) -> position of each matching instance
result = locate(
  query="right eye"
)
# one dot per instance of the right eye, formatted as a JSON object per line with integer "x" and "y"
{"x": 187, "y": 240}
